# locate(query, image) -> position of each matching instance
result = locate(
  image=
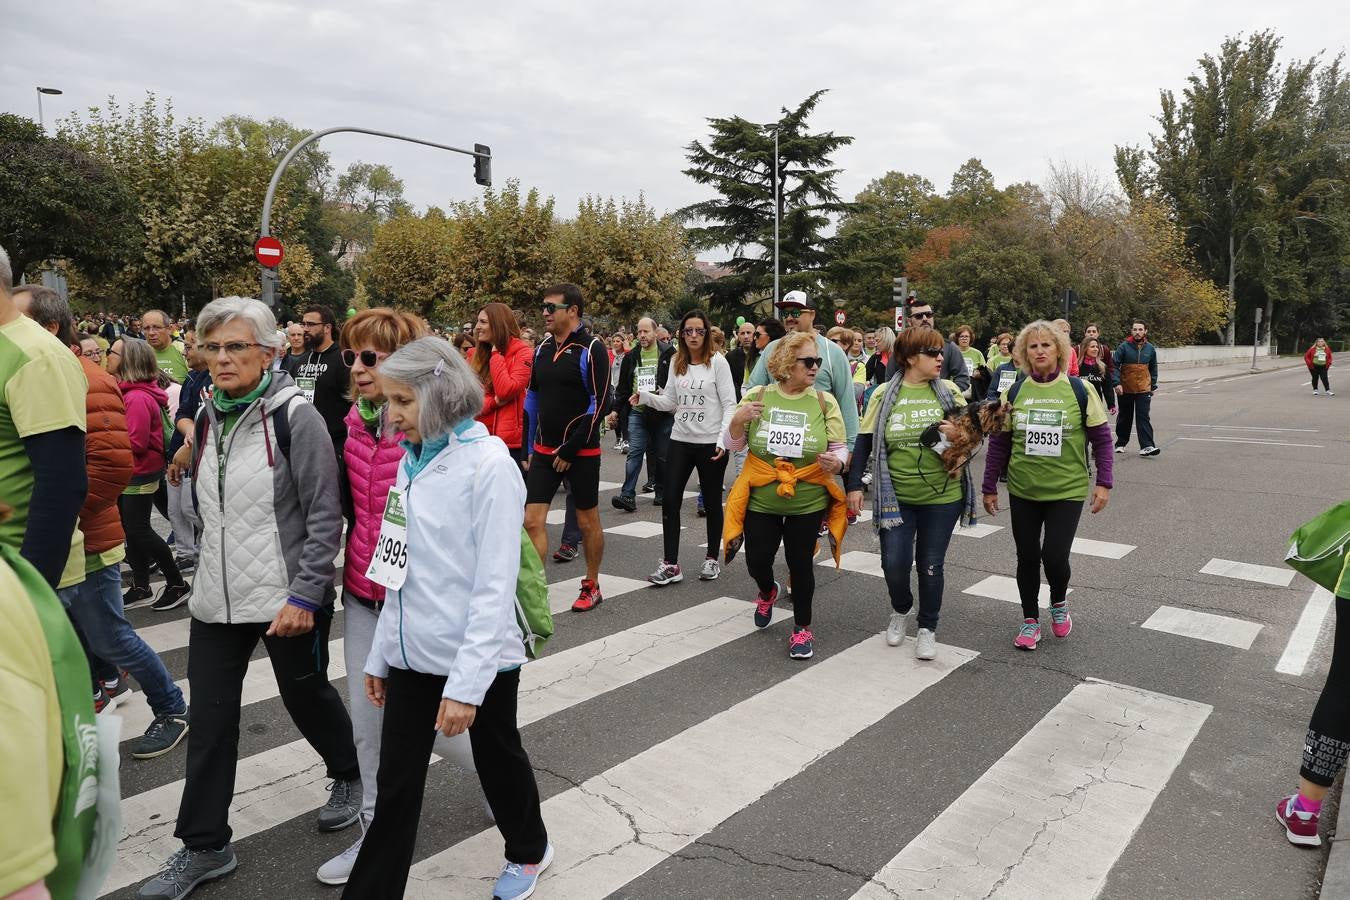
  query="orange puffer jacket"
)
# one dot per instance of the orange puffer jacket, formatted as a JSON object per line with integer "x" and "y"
{"x": 107, "y": 454}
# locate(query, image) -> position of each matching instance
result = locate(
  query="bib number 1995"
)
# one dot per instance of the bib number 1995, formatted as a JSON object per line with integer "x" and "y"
{"x": 389, "y": 564}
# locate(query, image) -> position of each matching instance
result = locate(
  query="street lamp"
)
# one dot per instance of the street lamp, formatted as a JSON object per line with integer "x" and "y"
{"x": 776, "y": 212}
{"x": 40, "y": 91}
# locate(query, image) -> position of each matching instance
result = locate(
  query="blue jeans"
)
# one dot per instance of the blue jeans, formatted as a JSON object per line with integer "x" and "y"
{"x": 930, "y": 527}
{"x": 96, "y": 604}
{"x": 571, "y": 529}
{"x": 641, "y": 439}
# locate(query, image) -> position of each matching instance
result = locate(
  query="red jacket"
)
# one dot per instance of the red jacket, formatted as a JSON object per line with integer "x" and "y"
{"x": 504, "y": 397}
{"x": 1308, "y": 357}
{"x": 107, "y": 454}
{"x": 145, "y": 426}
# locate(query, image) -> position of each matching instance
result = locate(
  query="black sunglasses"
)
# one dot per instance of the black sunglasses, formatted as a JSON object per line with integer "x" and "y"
{"x": 793, "y": 312}
{"x": 932, "y": 352}
{"x": 551, "y": 308}
{"x": 811, "y": 362}
{"x": 695, "y": 332}
{"x": 369, "y": 358}
{"x": 921, "y": 315}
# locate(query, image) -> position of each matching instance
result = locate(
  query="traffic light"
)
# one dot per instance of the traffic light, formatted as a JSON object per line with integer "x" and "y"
{"x": 482, "y": 164}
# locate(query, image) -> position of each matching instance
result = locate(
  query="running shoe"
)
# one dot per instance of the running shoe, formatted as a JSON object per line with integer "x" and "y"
{"x": 518, "y": 881}
{"x": 764, "y": 607}
{"x": 1060, "y": 621}
{"x": 895, "y": 629}
{"x": 565, "y": 553}
{"x": 1120, "y": 448}
{"x": 1299, "y": 826}
{"x": 824, "y": 526}
{"x": 1028, "y": 636}
{"x": 802, "y": 644}
{"x": 118, "y": 687}
{"x": 185, "y": 562}
{"x": 164, "y": 733}
{"x": 627, "y": 504}
{"x": 172, "y": 597}
{"x": 711, "y": 570}
{"x": 136, "y": 597}
{"x": 338, "y": 869}
{"x": 1331, "y": 393}
{"x": 648, "y": 488}
{"x": 699, "y": 509}
{"x": 852, "y": 518}
{"x": 101, "y": 700}
{"x": 657, "y": 500}
{"x": 344, "y": 805}
{"x": 589, "y": 598}
{"x": 666, "y": 573}
{"x": 1149, "y": 451}
{"x": 925, "y": 644}
{"x": 185, "y": 870}
{"x": 1314, "y": 393}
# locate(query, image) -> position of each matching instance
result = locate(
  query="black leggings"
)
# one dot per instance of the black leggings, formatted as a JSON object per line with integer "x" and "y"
{"x": 1059, "y": 519}
{"x": 143, "y": 542}
{"x": 1328, "y": 742}
{"x": 681, "y": 460}
{"x": 1320, "y": 372}
{"x": 798, "y": 535}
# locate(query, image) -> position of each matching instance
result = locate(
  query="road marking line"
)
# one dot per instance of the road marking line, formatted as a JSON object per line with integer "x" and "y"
{"x": 639, "y": 528}
{"x": 556, "y": 517}
{"x": 166, "y": 636}
{"x": 1204, "y": 626}
{"x": 1001, "y": 587}
{"x": 1246, "y": 441}
{"x": 859, "y": 561}
{"x": 1105, "y": 549}
{"x": 633, "y": 817}
{"x": 1304, "y": 637}
{"x": 1252, "y": 428}
{"x": 561, "y": 594}
{"x": 978, "y": 530}
{"x": 1053, "y": 815}
{"x": 1227, "y": 568}
{"x": 278, "y": 784}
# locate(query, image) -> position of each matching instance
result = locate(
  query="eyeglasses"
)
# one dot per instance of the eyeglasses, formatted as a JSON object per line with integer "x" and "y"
{"x": 369, "y": 358}
{"x": 233, "y": 348}
{"x": 92, "y": 354}
{"x": 308, "y": 325}
{"x": 551, "y": 308}
{"x": 695, "y": 332}
{"x": 811, "y": 362}
{"x": 932, "y": 352}
{"x": 113, "y": 353}
{"x": 921, "y": 315}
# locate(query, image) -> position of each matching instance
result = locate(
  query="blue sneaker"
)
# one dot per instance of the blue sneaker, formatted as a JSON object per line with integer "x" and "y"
{"x": 517, "y": 881}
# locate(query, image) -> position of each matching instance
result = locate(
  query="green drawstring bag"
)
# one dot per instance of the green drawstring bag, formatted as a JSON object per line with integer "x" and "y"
{"x": 1319, "y": 549}
{"x": 532, "y": 609}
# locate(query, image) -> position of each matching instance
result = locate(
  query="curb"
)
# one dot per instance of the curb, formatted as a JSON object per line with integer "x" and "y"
{"x": 1336, "y": 879}
{"x": 1230, "y": 375}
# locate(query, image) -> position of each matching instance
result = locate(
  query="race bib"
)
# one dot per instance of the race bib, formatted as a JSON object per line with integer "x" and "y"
{"x": 306, "y": 386}
{"x": 1006, "y": 379}
{"x": 389, "y": 565}
{"x": 646, "y": 378}
{"x": 1320, "y": 358}
{"x": 1045, "y": 432}
{"x": 786, "y": 433}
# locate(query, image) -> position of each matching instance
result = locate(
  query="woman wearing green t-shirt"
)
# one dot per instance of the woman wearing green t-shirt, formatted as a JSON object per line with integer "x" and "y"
{"x": 964, "y": 337}
{"x": 1000, "y": 351}
{"x": 923, "y": 502}
{"x": 788, "y": 421}
{"x": 1045, "y": 457}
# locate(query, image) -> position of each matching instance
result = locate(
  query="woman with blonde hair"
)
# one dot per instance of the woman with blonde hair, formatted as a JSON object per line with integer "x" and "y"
{"x": 1054, "y": 418}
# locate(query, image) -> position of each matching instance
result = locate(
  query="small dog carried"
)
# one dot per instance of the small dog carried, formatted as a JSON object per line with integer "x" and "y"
{"x": 973, "y": 421}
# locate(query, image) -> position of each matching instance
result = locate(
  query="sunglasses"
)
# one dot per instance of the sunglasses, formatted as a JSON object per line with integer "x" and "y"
{"x": 811, "y": 362}
{"x": 793, "y": 312}
{"x": 932, "y": 352}
{"x": 921, "y": 315}
{"x": 551, "y": 308}
{"x": 369, "y": 358}
{"x": 695, "y": 332}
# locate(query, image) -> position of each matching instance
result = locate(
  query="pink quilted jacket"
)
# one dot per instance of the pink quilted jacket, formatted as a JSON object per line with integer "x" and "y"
{"x": 372, "y": 468}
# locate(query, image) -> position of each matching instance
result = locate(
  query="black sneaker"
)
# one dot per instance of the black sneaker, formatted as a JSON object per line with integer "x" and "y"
{"x": 565, "y": 553}
{"x": 648, "y": 488}
{"x": 627, "y": 504}
{"x": 656, "y": 501}
{"x": 172, "y": 597}
{"x": 136, "y": 597}
{"x": 700, "y": 510}
{"x": 185, "y": 563}
{"x": 343, "y": 807}
{"x": 164, "y": 733}
{"x": 185, "y": 870}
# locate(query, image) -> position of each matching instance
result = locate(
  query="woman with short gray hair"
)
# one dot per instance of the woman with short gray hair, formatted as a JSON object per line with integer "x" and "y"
{"x": 448, "y": 644}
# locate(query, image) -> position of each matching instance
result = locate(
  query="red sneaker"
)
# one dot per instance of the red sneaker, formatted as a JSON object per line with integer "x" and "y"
{"x": 1299, "y": 826}
{"x": 589, "y": 598}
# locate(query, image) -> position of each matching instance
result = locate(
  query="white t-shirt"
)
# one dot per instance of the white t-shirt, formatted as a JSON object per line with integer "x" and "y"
{"x": 703, "y": 401}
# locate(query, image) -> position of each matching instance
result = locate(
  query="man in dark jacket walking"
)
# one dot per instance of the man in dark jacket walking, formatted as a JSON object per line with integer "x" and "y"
{"x": 1135, "y": 378}
{"x": 953, "y": 363}
{"x": 644, "y": 367}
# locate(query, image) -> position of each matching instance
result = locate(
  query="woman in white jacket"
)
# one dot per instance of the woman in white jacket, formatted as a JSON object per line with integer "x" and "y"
{"x": 448, "y": 647}
{"x": 702, "y": 396}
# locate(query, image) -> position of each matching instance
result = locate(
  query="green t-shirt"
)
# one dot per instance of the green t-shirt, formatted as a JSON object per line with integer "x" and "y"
{"x": 973, "y": 358}
{"x": 172, "y": 363}
{"x": 792, "y": 422}
{"x": 1319, "y": 357}
{"x": 1046, "y": 420}
{"x": 644, "y": 373}
{"x": 916, "y": 471}
{"x": 42, "y": 389}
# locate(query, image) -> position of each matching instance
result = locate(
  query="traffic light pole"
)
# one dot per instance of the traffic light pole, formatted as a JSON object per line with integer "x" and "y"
{"x": 482, "y": 165}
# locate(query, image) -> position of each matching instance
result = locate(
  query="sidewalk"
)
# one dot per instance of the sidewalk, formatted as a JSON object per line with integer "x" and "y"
{"x": 1336, "y": 879}
{"x": 1196, "y": 374}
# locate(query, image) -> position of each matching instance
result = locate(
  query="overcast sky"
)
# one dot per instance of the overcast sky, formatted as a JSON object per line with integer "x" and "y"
{"x": 601, "y": 97}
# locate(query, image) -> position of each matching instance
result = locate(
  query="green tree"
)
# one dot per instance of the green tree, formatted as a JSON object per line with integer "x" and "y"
{"x": 994, "y": 285}
{"x": 887, "y": 221}
{"x": 973, "y": 199}
{"x": 59, "y": 203}
{"x": 502, "y": 248}
{"x": 411, "y": 264}
{"x": 737, "y": 162}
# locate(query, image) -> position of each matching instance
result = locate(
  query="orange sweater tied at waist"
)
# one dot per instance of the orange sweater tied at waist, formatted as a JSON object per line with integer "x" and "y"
{"x": 757, "y": 473}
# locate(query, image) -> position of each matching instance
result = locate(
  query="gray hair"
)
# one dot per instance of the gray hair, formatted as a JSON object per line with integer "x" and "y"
{"x": 885, "y": 339}
{"x": 6, "y": 272}
{"x": 220, "y": 312}
{"x": 45, "y": 305}
{"x": 447, "y": 391}
{"x": 138, "y": 361}
{"x": 164, "y": 317}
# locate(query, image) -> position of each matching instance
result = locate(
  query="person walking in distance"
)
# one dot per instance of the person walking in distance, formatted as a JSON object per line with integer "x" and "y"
{"x": 196, "y": 390}
{"x": 1318, "y": 360}
{"x": 645, "y": 367}
{"x": 158, "y": 328}
{"x": 1093, "y": 368}
{"x": 1135, "y": 378}
{"x": 920, "y": 315}
{"x": 1055, "y": 416}
{"x": 502, "y": 362}
{"x": 741, "y": 358}
{"x": 319, "y": 374}
{"x": 702, "y": 397}
{"x": 568, "y": 386}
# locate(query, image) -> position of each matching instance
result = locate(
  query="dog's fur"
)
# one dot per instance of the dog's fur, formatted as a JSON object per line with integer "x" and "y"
{"x": 973, "y": 421}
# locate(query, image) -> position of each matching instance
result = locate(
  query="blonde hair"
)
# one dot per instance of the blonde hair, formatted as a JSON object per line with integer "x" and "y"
{"x": 1062, "y": 346}
{"x": 784, "y": 355}
{"x": 839, "y": 331}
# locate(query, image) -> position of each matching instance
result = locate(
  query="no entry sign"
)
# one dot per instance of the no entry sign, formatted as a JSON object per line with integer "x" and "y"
{"x": 268, "y": 251}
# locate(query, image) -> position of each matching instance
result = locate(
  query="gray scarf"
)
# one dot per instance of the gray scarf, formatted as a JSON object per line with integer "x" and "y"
{"x": 885, "y": 506}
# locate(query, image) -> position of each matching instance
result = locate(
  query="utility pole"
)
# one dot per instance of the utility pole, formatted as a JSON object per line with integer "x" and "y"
{"x": 1256, "y": 337}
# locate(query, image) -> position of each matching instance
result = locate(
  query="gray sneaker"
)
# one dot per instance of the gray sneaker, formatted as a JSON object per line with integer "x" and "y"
{"x": 338, "y": 869}
{"x": 343, "y": 807}
{"x": 185, "y": 870}
{"x": 711, "y": 570}
{"x": 164, "y": 733}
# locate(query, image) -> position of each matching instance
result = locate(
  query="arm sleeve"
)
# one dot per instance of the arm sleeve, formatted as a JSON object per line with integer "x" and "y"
{"x": 727, "y": 391}
{"x": 138, "y": 426}
{"x": 1115, "y": 368}
{"x": 841, "y": 387}
{"x": 60, "y": 481}
{"x": 954, "y": 367}
{"x": 737, "y": 371}
{"x": 623, "y": 382}
{"x": 862, "y": 451}
{"x": 996, "y": 460}
{"x": 314, "y": 471}
{"x": 1153, "y": 370}
{"x": 510, "y": 375}
{"x": 760, "y": 376}
{"x": 1103, "y": 452}
{"x": 663, "y": 402}
{"x": 588, "y": 422}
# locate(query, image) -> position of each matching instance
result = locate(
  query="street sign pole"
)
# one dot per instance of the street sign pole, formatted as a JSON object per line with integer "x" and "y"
{"x": 899, "y": 290}
{"x": 1256, "y": 337}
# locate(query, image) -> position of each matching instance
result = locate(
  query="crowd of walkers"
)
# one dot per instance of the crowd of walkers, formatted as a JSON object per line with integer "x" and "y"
{"x": 447, "y": 459}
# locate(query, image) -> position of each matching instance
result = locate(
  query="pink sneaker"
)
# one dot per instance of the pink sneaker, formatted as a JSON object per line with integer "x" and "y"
{"x": 1028, "y": 636}
{"x": 1299, "y": 826}
{"x": 764, "y": 607}
{"x": 1060, "y": 622}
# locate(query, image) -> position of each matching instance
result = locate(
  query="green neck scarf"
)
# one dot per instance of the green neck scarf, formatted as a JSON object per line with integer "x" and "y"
{"x": 229, "y": 406}
{"x": 369, "y": 412}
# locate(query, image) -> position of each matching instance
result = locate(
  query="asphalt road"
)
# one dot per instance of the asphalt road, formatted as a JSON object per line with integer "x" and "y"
{"x": 735, "y": 772}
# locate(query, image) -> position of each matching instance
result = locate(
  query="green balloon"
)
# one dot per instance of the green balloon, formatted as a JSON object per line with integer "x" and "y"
{"x": 740, "y": 320}
{"x": 351, "y": 311}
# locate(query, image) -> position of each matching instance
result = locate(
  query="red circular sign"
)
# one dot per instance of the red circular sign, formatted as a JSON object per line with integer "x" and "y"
{"x": 268, "y": 251}
{"x": 839, "y": 317}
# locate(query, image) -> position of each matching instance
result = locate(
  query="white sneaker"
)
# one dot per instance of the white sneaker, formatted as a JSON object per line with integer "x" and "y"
{"x": 666, "y": 573}
{"x": 1120, "y": 448}
{"x": 711, "y": 569}
{"x": 867, "y": 478}
{"x": 925, "y": 645}
{"x": 338, "y": 869}
{"x": 1331, "y": 393}
{"x": 895, "y": 629}
{"x": 1315, "y": 392}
